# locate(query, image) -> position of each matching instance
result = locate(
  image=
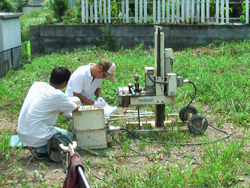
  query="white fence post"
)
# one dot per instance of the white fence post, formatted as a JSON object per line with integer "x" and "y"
{"x": 182, "y": 11}
{"x": 202, "y": 11}
{"x": 145, "y": 11}
{"x": 159, "y": 11}
{"x": 217, "y": 11}
{"x": 222, "y": 11}
{"x": 187, "y": 11}
{"x": 100, "y": 11}
{"x": 173, "y": 11}
{"x": 164, "y": 11}
{"x": 192, "y": 11}
{"x": 154, "y": 11}
{"x": 83, "y": 11}
{"x": 247, "y": 11}
{"x": 227, "y": 11}
{"x": 95, "y": 5}
{"x": 178, "y": 11}
{"x": 136, "y": 11}
{"x": 105, "y": 11}
{"x": 109, "y": 11}
{"x": 127, "y": 11}
{"x": 91, "y": 12}
{"x": 168, "y": 11}
{"x": 198, "y": 11}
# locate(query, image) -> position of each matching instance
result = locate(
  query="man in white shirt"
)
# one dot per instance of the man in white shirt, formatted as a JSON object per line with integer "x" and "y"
{"x": 41, "y": 108}
{"x": 86, "y": 81}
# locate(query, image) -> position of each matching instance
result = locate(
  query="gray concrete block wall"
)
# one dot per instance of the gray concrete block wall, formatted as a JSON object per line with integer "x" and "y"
{"x": 53, "y": 38}
{"x": 10, "y": 59}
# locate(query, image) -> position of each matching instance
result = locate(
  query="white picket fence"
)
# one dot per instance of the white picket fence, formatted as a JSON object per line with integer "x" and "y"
{"x": 163, "y": 11}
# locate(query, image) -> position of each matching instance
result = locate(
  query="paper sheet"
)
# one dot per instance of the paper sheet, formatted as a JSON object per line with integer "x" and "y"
{"x": 108, "y": 110}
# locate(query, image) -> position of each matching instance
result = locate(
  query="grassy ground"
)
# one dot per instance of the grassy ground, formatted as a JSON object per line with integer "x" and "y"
{"x": 221, "y": 75}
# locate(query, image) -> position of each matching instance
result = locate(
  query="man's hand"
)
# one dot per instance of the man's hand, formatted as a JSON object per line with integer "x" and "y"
{"x": 99, "y": 103}
{"x": 100, "y": 99}
{"x": 77, "y": 108}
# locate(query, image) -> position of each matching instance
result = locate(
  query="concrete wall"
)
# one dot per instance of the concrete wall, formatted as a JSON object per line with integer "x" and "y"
{"x": 53, "y": 38}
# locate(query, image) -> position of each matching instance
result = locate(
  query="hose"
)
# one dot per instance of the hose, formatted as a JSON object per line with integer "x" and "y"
{"x": 182, "y": 144}
{"x": 195, "y": 91}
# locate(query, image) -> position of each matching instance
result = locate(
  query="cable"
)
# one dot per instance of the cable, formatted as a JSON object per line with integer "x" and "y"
{"x": 141, "y": 154}
{"x": 88, "y": 167}
{"x": 156, "y": 81}
{"x": 195, "y": 91}
{"x": 182, "y": 144}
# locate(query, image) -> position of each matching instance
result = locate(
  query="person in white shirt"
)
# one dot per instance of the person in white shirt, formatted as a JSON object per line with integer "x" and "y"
{"x": 85, "y": 82}
{"x": 41, "y": 108}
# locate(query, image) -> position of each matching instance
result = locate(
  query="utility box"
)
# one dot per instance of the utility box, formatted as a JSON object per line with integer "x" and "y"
{"x": 10, "y": 41}
{"x": 89, "y": 125}
{"x": 10, "y": 30}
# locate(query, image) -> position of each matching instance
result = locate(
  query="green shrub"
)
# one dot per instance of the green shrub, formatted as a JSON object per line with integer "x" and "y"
{"x": 59, "y": 7}
{"x": 8, "y": 6}
{"x": 35, "y": 16}
{"x": 108, "y": 40}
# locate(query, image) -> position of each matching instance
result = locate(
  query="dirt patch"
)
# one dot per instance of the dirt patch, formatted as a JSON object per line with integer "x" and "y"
{"x": 37, "y": 171}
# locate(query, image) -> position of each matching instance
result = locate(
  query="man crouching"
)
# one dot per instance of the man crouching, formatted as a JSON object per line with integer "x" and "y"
{"x": 41, "y": 108}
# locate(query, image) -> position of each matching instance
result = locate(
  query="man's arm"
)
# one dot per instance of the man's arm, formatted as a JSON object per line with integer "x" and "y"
{"x": 84, "y": 100}
{"x": 98, "y": 92}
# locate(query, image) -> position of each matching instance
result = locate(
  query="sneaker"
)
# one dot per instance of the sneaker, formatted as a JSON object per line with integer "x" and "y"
{"x": 41, "y": 156}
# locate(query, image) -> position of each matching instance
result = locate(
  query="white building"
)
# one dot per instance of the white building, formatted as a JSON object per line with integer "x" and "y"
{"x": 10, "y": 41}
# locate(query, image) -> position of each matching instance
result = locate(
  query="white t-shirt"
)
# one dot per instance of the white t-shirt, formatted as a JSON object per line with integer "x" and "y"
{"x": 81, "y": 81}
{"x": 40, "y": 112}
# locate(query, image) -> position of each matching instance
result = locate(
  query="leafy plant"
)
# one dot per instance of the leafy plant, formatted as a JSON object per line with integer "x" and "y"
{"x": 8, "y": 6}
{"x": 60, "y": 7}
{"x": 108, "y": 40}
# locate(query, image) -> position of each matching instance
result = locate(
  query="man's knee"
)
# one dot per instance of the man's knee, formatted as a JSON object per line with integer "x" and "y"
{"x": 76, "y": 100}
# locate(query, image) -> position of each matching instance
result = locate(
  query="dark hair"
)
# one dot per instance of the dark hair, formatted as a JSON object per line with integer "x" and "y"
{"x": 59, "y": 75}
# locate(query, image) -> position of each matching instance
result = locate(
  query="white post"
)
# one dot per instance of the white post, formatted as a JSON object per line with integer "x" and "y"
{"x": 168, "y": 11}
{"x": 100, "y": 11}
{"x": 159, "y": 11}
{"x": 123, "y": 11}
{"x": 83, "y": 11}
{"x": 173, "y": 11}
{"x": 127, "y": 11}
{"x": 217, "y": 12}
{"x": 145, "y": 11}
{"x": 222, "y": 11}
{"x": 198, "y": 11}
{"x": 109, "y": 11}
{"x": 136, "y": 11}
{"x": 187, "y": 11}
{"x": 87, "y": 11}
{"x": 154, "y": 11}
{"x": 178, "y": 11}
{"x": 163, "y": 11}
{"x": 182, "y": 11}
{"x": 247, "y": 11}
{"x": 95, "y": 5}
{"x": 202, "y": 11}
{"x": 227, "y": 11}
{"x": 192, "y": 11}
{"x": 91, "y": 12}
{"x": 105, "y": 11}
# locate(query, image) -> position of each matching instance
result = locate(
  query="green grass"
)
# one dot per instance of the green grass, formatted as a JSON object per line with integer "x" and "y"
{"x": 221, "y": 75}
